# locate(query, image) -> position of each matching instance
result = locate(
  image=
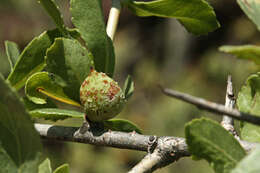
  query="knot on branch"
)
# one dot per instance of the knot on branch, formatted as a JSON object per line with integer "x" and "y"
{"x": 152, "y": 144}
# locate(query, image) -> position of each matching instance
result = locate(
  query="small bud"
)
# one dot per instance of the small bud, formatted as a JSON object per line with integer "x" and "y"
{"x": 101, "y": 97}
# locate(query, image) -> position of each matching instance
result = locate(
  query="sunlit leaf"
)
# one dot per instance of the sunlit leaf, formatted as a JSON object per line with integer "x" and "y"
{"x": 45, "y": 166}
{"x": 88, "y": 17}
{"x": 31, "y": 60}
{"x": 249, "y": 52}
{"x": 197, "y": 16}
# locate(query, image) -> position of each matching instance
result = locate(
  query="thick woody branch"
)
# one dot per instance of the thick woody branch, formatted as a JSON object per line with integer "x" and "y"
{"x": 212, "y": 107}
{"x": 164, "y": 150}
{"x": 115, "y": 139}
{"x": 161, "y": 150}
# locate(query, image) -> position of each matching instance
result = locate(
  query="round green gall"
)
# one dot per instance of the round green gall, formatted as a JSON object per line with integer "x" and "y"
{"x": 101, "y": 97}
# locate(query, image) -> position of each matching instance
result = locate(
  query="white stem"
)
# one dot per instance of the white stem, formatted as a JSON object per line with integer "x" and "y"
{"x": 113, "y": 18}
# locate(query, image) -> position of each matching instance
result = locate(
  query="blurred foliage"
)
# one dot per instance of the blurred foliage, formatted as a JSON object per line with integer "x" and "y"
{"x": 153, "y": 51}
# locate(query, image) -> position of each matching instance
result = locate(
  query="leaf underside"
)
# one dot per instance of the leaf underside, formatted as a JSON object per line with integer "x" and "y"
{"x": 42, "y": 85}
{"x": 55, "y": 114}
{"x": 62, "y": 169}
{"x": 128, "y": 87}
{"x": 252, "y": 10}
{"x": 208, "y": 140}
{"x": 12, "y": 52}
{"x": 250, "y": 164}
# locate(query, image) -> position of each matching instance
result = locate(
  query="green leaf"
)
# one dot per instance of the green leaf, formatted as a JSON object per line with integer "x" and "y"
{"x": 31, "y": 105}
{"x": 18, "y": 138}
{"x": 71, "y": 63}
{"x": 12, "y": 52}
{"x": 87, "y": 16}
{"x": 252, "y": 10}
{"x": 45, "y": 166}
{"x": 55, "y": 114}
{"x": 208, "y": 140}
{"x": 197, "y": 16}
{"x": 249, "y": 164}
{"x": 249, "y": 52}
{"x": 121, "y": 125}
{"x": 53, "y": 11}
{"x": 249, "y": 101}
{"x": 31, "y": 59}
{"x": 128, "y": 87}
{"x": 6, "y": 164}
{"x": 42, "y": 85}
{"x": 62, "y": 169}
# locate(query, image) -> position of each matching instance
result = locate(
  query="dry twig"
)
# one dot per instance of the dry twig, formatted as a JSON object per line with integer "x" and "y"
{"x": 212, "y": 107}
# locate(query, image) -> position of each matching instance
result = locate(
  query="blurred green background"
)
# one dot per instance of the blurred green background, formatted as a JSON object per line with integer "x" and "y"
{"x": 154, "y": 51}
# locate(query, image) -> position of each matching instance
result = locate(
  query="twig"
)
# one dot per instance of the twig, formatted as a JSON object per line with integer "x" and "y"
{"x": 228, "y": 122}
{"x": 212, "y": 107}
{"x": 161, "y": 155}
{"x": 147, "y": 163}
{"x": 113, "y": 18}
{"x": 161, "y": 152}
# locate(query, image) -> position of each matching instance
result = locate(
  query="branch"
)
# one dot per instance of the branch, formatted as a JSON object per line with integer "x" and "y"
{"x": 114, "y": 139}
{"x": 148, "y": 162}
{"x": 228, "y": 122}
{"x": 212, "y": 107}
{"x": 162, "y": 151}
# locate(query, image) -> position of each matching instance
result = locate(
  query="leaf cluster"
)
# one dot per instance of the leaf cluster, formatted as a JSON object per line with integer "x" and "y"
{"x": 55, "y": 63}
